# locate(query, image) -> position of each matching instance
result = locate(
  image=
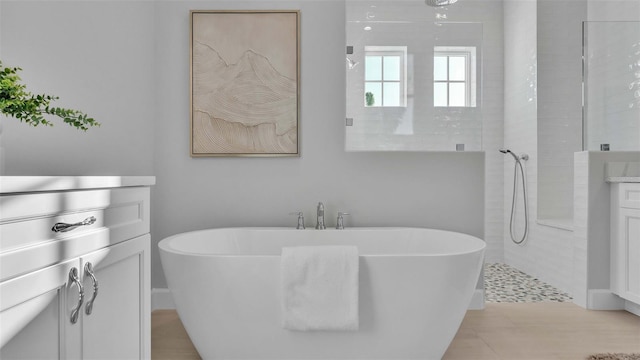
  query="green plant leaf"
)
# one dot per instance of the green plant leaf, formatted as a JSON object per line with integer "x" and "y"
{"x": 17, "y": 102}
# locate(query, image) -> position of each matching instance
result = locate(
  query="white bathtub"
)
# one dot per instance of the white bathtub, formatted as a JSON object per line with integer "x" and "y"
{"x": 415, "y": 287}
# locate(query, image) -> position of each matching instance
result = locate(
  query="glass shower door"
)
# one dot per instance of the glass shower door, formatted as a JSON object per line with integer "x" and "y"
{"x": 611, "y": 80}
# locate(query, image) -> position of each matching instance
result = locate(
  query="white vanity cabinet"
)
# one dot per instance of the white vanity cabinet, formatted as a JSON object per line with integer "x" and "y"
{"x": 117, "y": 327}
{"x": 49, "y": 306}
{"x": 32, "y": 308}
{"x": 625, "y": 241}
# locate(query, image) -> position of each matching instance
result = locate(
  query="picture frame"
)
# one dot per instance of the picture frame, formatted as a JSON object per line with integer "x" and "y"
{"x": 245, "y": 83}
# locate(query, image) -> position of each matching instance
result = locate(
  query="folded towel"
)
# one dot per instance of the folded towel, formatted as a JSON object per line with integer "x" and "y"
{"x": 319, "y": 287}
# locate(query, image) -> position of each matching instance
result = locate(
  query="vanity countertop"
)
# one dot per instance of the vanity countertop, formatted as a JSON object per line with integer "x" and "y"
{"x": 22, "y": 184}
{"x": 623, "y": 179}
{"x": 622, "y": 172}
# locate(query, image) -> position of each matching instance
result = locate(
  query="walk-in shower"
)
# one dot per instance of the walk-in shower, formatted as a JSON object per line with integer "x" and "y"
{"x": 518, "y": 174}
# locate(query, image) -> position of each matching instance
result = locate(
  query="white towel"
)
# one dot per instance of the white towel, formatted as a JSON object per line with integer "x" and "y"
{"x": 319, "y": 288}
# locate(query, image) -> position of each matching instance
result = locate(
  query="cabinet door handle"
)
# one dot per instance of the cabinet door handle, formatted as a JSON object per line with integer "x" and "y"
{"x": 88, "y": 271}
{"x": 73, "y": 277}
{"x": 64, "y": 227}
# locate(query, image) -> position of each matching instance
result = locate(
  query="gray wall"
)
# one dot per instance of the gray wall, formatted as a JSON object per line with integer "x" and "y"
{"x": 133, "y": 74}
{"x": 439, "y": 190}
{"x": 97, "y": 57}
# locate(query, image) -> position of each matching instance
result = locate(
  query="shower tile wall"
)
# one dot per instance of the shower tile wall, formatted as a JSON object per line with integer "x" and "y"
{"x": 559, "y": 257}
{"x": 547, "y": 254}
{"x": 520, "y": 113}
{"x": 559, "y": 104}
{"x": 612, "y": 85}
{"x": 618, "y": 10}
{"x": 492, "y": 132}
{"x": 580, "y": 228}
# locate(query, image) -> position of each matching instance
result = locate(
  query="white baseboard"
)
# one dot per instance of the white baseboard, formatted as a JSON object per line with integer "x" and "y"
{"x": 604, "y": 299}
{"x": 632, "y": 307}
{"x": 161, "y": 299}
{"x": 477, "y": 301}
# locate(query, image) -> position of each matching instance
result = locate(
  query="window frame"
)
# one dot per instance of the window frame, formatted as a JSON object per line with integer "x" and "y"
{"x": 383, "y": 51}
{"x": 469, "y": 54}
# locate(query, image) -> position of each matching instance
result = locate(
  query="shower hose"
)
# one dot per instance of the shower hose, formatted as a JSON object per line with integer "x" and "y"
{"x": 523, "y": 176}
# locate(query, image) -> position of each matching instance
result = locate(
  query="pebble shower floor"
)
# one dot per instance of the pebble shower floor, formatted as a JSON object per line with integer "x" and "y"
{"x": 504, "y": 283}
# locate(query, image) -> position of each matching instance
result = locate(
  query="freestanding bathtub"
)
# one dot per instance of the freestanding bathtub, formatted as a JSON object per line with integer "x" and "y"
{"x": 415, "y": 287}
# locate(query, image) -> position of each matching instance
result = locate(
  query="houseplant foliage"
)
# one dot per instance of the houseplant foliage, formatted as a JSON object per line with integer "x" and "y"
{"x": 17, "y": 102}
{"x": 369, "y": 99}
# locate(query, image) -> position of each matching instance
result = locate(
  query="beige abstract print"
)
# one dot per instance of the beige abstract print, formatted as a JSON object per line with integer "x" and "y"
{"x": 244, "y": 83}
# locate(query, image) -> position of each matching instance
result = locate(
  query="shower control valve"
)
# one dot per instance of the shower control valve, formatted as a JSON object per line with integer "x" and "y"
{"x": 340, "y": 221}
{"x": 300, "y": 215}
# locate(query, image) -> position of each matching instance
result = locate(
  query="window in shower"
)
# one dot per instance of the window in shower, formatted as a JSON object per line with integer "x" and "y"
{"x": 454, "y": 76}
{"x": 389, "y": 56}
{"x": 385, "y": 76}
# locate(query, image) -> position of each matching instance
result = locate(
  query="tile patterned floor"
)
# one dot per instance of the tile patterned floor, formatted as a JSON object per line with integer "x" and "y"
{"x": 505, "y": 284}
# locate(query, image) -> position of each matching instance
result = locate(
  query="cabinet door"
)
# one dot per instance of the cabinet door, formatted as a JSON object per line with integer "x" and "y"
{"x": 118, "y": 325}
{"x": 630, "y": 236}
{"x": 35, "y": 312}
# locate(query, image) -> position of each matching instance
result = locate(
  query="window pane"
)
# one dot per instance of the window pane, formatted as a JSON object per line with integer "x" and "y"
{"x": 457, "y": 94}
{"x": 375, "y": 88}
{"x": 392, "y": 68}
{"x": 373, "y": 68}
{"x": 391, "y": 94}
{"x": 439, "y": 94}
{"x": 440, "y": 68}
{"x": 457, "y": 68}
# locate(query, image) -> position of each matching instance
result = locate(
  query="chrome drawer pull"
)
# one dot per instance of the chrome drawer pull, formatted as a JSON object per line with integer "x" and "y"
{"x": 64, "y": 227}
{"x": 88, "y": 271}
{"x": 73, "y": 277}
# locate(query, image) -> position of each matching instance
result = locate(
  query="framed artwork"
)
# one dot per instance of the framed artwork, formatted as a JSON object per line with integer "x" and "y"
{"x": 245, "y": 70}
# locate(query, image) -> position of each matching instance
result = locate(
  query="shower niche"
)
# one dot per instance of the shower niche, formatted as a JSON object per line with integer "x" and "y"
{"x": 413, "y": 77}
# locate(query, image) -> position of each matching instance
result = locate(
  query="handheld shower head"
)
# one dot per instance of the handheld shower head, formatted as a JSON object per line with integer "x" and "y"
{"x": 518, "y": 165}
{"x": 507, "y": 151}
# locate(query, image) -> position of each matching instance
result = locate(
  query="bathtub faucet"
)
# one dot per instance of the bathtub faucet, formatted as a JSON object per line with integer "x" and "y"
{"x": 300, "y": 216}
{"x": 320, "y": 223}
{"x": 340, "y": 220}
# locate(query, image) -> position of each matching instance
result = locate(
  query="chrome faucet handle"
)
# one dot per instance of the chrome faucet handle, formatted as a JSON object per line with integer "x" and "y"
{"x": 300, "y": 215}
{"x": 320, "y": 217}
{"x": 340, "y": 221}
